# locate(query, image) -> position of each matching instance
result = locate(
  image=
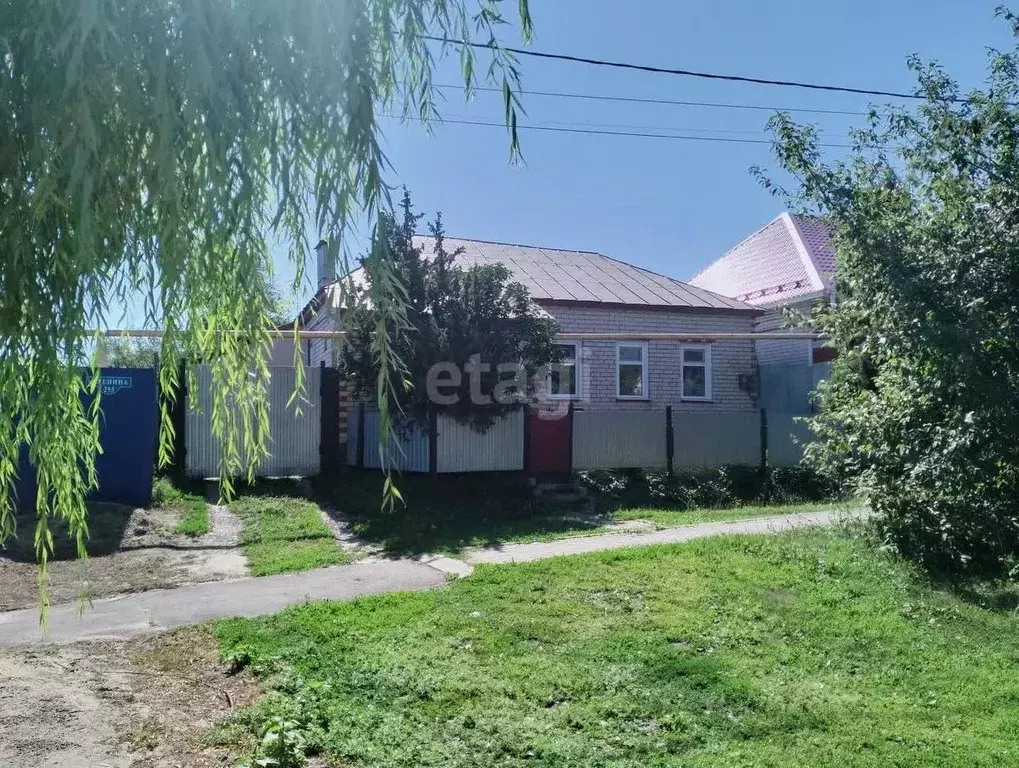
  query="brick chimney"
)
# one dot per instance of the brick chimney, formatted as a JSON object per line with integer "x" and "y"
{"x": 326, "y": 263}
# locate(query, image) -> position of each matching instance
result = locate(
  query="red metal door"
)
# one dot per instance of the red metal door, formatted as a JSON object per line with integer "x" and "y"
{"x": 550, "y": 441}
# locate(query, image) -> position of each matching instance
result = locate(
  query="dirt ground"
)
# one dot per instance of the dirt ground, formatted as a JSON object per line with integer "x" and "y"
{"x": 129, "y": 551}
{"x": 143, "y": 703}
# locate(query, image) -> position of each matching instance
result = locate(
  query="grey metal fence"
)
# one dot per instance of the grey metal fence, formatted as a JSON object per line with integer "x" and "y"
{"x": 788, "y": 435}
{"x": 599, "y": 440}
{"x": 619, "y": 439}
{"x": 716, "y": 438}
{"x": 295, "y": 430}
{"x": 787, "y": 388}
{"x": 459, "y": 448}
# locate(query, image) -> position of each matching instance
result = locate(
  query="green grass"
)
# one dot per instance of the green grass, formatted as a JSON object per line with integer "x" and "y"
{"x": 670, "y": 518}
{"x": 448, "y": 513}
{"x": 802, "y": 649}
{"x": 285, "y": 534}
{"x": 192, "y": 507}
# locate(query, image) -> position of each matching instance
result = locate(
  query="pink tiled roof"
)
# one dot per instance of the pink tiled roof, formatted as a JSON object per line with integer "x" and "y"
{"x": 790, "y": 257}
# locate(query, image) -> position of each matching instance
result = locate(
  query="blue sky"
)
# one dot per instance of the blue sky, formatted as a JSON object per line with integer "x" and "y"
{"x": 671, "y": 206}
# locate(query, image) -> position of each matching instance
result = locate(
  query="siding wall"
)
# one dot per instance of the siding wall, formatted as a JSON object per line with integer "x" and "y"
{"x": 321, "y": 349}
{"x": 729, "y": 359}
{"x": 786, "y": 352}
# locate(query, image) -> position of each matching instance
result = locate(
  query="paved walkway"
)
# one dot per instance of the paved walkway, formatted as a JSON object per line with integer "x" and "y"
{"x": 161, "y": 609}
{"x": 542, "y": 550}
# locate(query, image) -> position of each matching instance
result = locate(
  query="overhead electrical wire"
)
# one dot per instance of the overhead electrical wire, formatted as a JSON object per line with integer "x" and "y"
{"x": 686, "y": 72}
{"x": 597, "y": 132}
{"x": 669, "y": 102}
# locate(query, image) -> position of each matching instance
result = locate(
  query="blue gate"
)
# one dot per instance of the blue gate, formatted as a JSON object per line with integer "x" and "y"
{"x": 127, "y": 434}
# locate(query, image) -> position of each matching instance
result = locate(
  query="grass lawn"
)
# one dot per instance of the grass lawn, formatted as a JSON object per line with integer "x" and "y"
{"x": 190, "y": 506}
{"x": 285, "y": 534}
{"x": 448, "y": 513}
{"x": 801, "y": 649}
{"x": 670, "y": 518}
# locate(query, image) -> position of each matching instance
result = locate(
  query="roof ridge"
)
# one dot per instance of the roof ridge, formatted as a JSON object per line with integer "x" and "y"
{"x": 685, "y": 285}
{"x": 811, "y": 265}
{"x": 515, "y": 245}
{"x": 751, "y": 236}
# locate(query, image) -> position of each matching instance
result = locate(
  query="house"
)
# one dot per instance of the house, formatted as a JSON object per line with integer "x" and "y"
{"x": 594, "y": 294}
{"x": 790, "y": 262}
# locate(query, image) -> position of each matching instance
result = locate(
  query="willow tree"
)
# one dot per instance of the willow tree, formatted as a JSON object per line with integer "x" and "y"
{"x": 156, "y": 147}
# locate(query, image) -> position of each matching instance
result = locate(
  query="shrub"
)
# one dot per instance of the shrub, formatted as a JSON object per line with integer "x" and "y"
{"x": 922, "y": 408}
{"x": 729, "y": 486}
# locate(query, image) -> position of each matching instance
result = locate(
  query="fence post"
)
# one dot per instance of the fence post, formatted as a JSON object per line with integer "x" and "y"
{"x": 569, "y": 415}
{"x": 670, "y": 445}
{"x": 360, "y": 436}
{"x": 764, "y": 440}
{"x": 329, "y": 417}
{"x": 178, "y": 417}
{"x": 433, "y": 441}
{"x": 527, "y": 439}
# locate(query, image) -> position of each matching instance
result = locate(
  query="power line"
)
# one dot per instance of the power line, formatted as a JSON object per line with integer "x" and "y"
{"x": 631, "y": 127}
{"x": 596, "y": 132}
{"x": 685, "y": 72}
{"x": 669, "y": 102}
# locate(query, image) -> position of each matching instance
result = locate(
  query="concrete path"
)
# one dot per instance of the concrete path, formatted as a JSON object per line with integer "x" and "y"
{"x": 158, "y": 609}
{"x": 541, "y": 550}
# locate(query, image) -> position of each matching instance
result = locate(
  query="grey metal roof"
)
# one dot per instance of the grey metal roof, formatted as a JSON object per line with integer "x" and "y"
{"x": 551, "y": 274}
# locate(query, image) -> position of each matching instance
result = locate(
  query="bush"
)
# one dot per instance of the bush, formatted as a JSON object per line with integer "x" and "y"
{"x": 730, "y": 486}
{"x": 922, "y": 407}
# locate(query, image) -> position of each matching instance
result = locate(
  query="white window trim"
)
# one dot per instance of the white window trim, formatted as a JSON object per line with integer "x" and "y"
{"x": 578, "y": 379}
{"x": 645, "y": 369}
{"x": 706, "y": 348}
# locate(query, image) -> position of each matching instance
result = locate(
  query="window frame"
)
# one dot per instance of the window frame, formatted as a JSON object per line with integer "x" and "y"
{"x": 645, "y": 369}
{"x": 577, "y": 347}
{"x": 706, "y": 364}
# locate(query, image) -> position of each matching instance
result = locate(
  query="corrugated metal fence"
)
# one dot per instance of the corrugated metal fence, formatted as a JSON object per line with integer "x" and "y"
{"x": 407, "y": 448}
{"x": 787, "y": 388}
{"x": 295, "y": 438}
{"x": 619, "y": 439}
{"x": 714, "y": 439}
{"x": 600, "y": 440}
{"x": 788, "y": 435}
{"x": 459, "y": 448}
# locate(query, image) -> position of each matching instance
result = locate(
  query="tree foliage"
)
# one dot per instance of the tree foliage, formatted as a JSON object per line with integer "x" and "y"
{"x": 465, "y": 319}
{"x": 922, "y": 409}
{"x": 159, "y": 146}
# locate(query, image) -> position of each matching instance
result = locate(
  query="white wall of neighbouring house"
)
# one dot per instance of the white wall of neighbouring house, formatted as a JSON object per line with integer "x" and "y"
{"x": 794, "y": 352}
{"x": 282, "y": 354}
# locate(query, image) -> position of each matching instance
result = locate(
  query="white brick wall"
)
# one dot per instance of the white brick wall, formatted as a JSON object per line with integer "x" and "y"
{"x": 729, "y": 359}
{"x": 598, "y": 374}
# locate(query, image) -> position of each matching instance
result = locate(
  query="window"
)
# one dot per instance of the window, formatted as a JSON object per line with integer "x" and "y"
{"x": 631, "y": 371}
{"x": 696, "y": 376}
{"x": 564, "y": 378}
